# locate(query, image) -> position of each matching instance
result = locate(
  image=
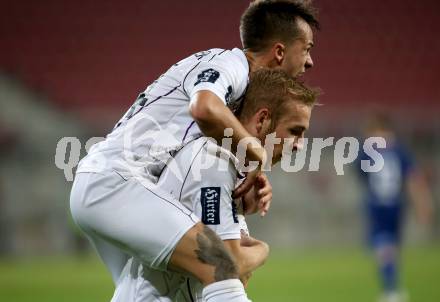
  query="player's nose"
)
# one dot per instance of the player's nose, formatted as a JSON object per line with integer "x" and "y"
{"x": 309, "y": 62}
{"x": 298, "y": 145}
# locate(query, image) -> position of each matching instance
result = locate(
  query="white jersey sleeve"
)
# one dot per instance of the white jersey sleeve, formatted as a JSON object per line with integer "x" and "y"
{"x": 222, "y": 74}
{"x": 212, "y": 202}
{"x": 203, "y": 181}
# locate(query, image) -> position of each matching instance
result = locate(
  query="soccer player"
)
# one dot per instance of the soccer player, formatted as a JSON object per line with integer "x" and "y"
{"x": 202, "y": 176}
{"x": 385, "y": 203}
{"x": 114, "y": 198}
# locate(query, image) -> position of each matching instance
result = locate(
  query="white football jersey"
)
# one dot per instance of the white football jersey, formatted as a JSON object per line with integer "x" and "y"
{"x": 159, "y": 123}
{"x": 202, "y": 176}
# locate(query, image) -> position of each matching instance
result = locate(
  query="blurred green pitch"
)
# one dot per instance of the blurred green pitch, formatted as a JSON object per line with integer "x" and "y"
{"x": 307, "y": 276}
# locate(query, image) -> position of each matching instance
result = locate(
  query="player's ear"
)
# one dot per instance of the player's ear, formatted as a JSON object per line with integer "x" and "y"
{"x": 279, "y": 52}
{"x": 263, "y": 121}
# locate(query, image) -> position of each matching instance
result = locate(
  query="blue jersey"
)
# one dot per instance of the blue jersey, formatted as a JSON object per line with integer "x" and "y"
{"x": 386, "y": 187}
{"x": 385, "y": 192}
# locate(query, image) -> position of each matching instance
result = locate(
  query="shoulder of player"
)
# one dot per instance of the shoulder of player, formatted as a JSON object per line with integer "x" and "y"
{"x": 202, "y": 153}
{"x": 234, "y": 60}
{"x": 204, "y": 167}
{"x": 190, "y": 151}
{"x": 235, "y": 65}
{"x": 209, "y": 162}
{"x": 223, "y": 161}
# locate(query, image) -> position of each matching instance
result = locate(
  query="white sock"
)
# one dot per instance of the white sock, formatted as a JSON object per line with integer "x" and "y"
{"x": 227, "y": 290}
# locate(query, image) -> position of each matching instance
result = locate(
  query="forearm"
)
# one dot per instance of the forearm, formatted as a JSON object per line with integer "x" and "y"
{"x": 249, "y": 253}
{"x": 253, "y": 257}
{"x": 212, "y": 117}
{"x": 421, "y": 197}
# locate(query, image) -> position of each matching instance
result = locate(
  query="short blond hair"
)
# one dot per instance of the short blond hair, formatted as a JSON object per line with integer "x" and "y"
{"x": 272, "y": 89}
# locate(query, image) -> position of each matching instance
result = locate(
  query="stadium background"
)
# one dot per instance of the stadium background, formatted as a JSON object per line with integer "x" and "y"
{"x": 73, "y": 68}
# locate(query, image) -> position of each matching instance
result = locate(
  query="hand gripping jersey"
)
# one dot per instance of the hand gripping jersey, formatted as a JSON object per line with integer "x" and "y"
{"x": 159, "y": 123}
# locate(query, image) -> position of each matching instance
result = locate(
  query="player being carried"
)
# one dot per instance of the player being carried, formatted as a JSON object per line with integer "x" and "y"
{"x": 114, "y": 198}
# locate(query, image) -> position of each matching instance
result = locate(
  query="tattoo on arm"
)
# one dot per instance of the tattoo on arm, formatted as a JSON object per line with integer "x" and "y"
{"x": 212, "y": 251}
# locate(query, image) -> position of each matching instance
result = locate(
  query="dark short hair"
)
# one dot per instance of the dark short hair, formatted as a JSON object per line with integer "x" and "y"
{"x": 266, "y": 21}
{"x": 273, "y": 89}
{"x": 379, "y": 121}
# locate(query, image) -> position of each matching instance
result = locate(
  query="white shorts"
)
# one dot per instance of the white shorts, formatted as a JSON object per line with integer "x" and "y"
{"x": 142, "y": 284}
{"x": 124, "y": 218}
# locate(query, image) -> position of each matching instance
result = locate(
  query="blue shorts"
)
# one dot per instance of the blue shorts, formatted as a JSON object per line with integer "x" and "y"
{"x": 384, "y": 224}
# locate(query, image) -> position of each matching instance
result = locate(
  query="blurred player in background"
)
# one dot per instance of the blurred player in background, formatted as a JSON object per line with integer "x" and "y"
{"x": 274, "y": 104}
{"x": 114, "y": 191}
{"x": 385, "y": 203}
